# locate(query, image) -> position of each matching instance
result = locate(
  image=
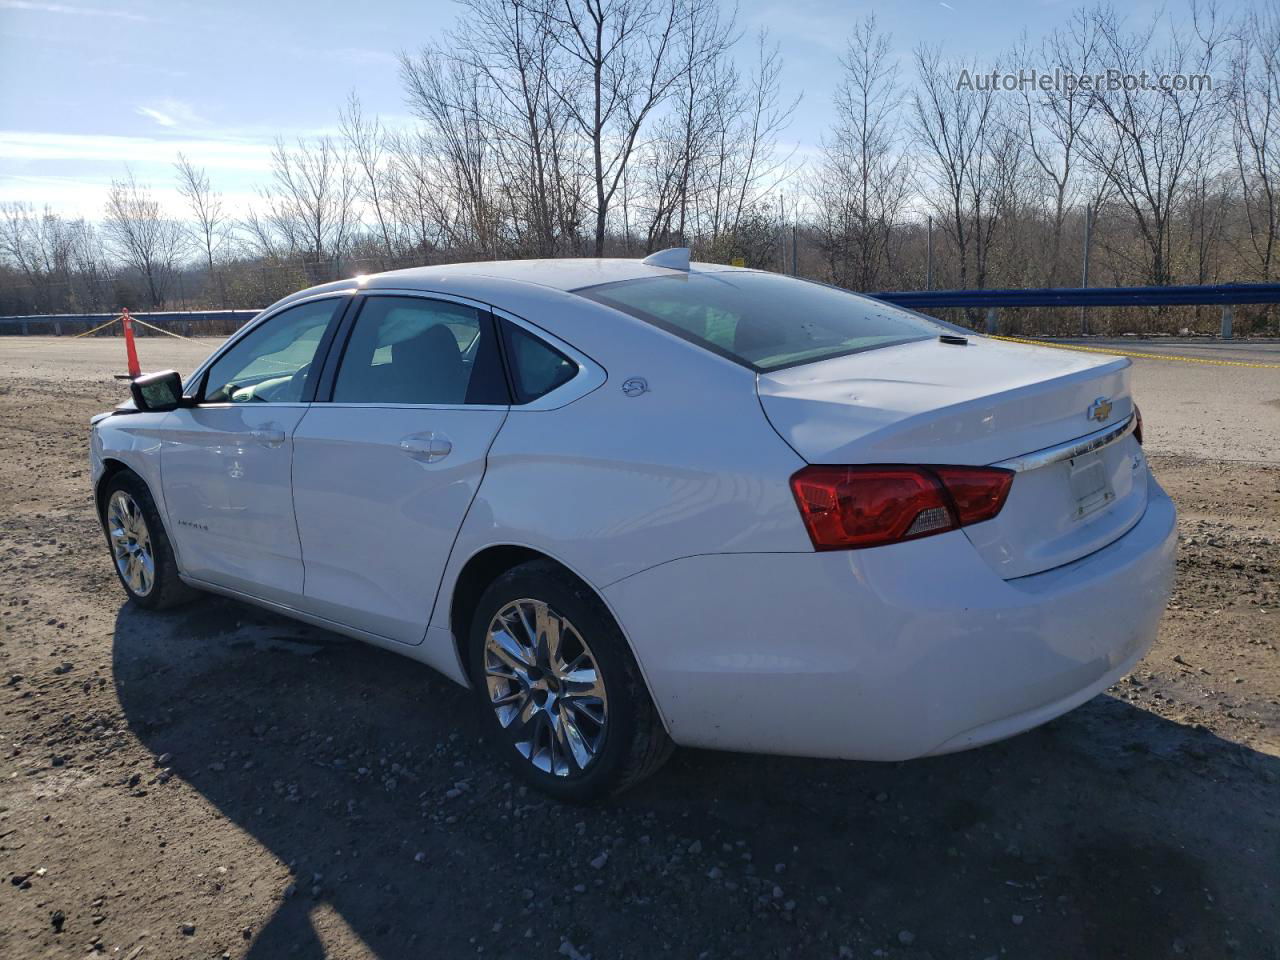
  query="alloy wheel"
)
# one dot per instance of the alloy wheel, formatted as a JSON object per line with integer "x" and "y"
{"x": 131, "y": 543}
{"x": 545, "y": 686}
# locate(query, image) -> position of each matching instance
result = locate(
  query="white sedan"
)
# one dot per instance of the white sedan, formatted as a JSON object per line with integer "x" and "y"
{"x": 638, "y": 504}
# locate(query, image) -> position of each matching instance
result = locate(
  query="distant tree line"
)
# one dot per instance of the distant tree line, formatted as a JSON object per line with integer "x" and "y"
{"x": 550, "y": 128}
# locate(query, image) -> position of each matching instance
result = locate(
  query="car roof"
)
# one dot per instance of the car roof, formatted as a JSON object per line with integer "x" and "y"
{"x": 468, "y": 279}
{"x": 560, "y": 274}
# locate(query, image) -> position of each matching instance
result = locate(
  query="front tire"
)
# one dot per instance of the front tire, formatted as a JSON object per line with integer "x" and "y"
{"x": 563, "y": 695}
{"x": 140, "y": 549}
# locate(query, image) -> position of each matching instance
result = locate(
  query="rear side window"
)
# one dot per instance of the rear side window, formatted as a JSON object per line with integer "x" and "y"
{"x": 537, "y": 368}
{"x": 763, "y": 320}
{"x": 411, "y": 350}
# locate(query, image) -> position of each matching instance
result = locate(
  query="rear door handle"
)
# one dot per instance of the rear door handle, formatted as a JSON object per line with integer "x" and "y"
{"x": 430, "y": 447}
{"x": 268, "y": 437}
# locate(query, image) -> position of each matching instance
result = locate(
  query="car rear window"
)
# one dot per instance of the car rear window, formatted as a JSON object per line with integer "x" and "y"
{"x": 764, "y": 320}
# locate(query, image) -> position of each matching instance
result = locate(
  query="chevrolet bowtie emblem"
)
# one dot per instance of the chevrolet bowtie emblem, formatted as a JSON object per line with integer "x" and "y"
{"x": 1100, "y": 409}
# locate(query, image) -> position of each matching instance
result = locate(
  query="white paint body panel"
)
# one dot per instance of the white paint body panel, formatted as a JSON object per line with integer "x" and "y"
{"x": 891, "y": 653}
{"x": 226, "y": 475}
{"x": 935, "y": 403}
{"x": 930, "y": 402}
{"x": 377, "y": 525}
{"x": 675, "y": 506}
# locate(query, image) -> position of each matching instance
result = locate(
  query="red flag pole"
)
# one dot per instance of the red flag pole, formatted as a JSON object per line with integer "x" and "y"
{"x": 135, "y": 370}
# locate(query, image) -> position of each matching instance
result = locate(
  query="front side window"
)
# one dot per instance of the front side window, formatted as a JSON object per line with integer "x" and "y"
{"x": 271, "y": 363}
{"x": 411, "y": 350}
{"x": 763, "y": 320}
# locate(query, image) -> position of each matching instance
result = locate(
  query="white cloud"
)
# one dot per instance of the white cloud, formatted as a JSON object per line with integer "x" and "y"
{"x": 34, "y": 6}
{"x": 72, "y": 172}
{"x": 84, "y": 197}
{"x": 225, "y": 153}
{"x": 171, "y": 113}
{"x": 161, "y": 118}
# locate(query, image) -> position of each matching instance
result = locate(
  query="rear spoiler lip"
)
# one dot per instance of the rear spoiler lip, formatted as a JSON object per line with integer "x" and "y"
{"x": 1071, "y": 449}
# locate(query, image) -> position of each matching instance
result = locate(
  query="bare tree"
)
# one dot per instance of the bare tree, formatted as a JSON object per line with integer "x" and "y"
{"x": 969, "y": 158}
{"x": 312, "y": 203}
{"x": 715, "y": 158}
{"x": 91, "y": 271}
{"x": 861, "y": 183}
{"x": 211, "y": 228}
{"x": 676, "y": 160}
{"x": 39, "y": 244}
{"x": 450, "y": 97}
{"x": 510, "y": 47}
{"x": 1147, "y": 141}
{"x": 1255, "y": 128}
{"x": 412, "y": 193}
{"x": 1205, "y": 203}
{"x": 1053, "y": 121}
{"x": 144, "y": 236}
{"x": 751, "y": 167}
{"x": 619, "y": 65}
{"x": 260, "y": 236}
{"x": 366, "y": 141}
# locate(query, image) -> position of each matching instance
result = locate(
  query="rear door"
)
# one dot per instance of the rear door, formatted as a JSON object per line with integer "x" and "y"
{"x": 389, "y": 458}
{"x": 226, "y": 462}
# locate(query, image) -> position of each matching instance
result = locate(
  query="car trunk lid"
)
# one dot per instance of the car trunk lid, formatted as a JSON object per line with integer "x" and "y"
{"x": 984, "y": 403}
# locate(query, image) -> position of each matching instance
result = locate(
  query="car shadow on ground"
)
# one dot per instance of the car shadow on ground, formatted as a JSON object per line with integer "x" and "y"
{"x": 1110, "y": 832}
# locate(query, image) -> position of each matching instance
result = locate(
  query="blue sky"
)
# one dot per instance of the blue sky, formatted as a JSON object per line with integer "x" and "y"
{"x": 87, "y": 86}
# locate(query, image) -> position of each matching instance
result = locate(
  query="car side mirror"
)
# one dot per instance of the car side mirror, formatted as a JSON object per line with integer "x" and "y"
{"x": 157, "y": 391}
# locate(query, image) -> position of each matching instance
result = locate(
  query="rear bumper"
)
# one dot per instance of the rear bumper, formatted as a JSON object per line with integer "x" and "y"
{"x": 892, "y": 653}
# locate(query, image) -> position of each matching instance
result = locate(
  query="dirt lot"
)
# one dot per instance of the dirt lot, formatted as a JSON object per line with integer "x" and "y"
{"x": 216, "y": 781}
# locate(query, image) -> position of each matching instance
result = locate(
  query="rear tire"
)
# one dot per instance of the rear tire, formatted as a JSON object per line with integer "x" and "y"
{"x": 563, "y": 696}
{"x": 139, "y": 545}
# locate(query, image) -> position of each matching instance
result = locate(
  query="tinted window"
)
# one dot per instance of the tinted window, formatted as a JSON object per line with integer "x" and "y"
{"x": 537, "y": 368}
{"x": 270, "y": 364}
{"x": 764, "y": 320}
{"x": 414, "y": 350}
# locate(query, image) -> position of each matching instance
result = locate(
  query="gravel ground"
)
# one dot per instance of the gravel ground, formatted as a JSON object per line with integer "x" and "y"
{"x": 217, "y": 781}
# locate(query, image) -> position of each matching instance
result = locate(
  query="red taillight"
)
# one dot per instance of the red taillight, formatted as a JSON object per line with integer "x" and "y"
{"x": 850, "y": 507}
{"x": 1137, "y": 427}
{"x": 978, "y": 492}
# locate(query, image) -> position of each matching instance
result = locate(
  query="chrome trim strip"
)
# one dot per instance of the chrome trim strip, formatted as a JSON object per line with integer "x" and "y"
{"x": 591, "y": 375}
{"x": 353, "y": 405}
{"x": 1071, "y": 449}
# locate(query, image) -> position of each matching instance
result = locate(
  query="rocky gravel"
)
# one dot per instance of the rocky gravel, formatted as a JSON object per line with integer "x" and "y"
{"x": 216, "y": 781}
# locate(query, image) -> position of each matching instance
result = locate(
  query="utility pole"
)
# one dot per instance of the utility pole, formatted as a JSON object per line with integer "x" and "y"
{"x": 1084, "y": 278}
{"x": 782, "y": 232}
{"x": 928, "y": 266}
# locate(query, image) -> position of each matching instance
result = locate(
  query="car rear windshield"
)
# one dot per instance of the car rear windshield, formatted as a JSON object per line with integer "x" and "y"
{"x": 763, "y": 320}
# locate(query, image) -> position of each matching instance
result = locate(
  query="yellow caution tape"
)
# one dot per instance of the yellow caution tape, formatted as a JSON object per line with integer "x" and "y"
{"x": 101, "y": 326}
{"x": 1144, "y": 356}
{"x": 170, "y": 333}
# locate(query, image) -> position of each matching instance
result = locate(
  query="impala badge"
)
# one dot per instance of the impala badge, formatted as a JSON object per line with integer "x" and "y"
{"x": 1100, "y": 409}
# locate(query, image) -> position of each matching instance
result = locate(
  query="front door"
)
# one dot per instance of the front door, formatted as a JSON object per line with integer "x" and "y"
{"x": 226, "y": 462}
{"x": 385, "y": 471}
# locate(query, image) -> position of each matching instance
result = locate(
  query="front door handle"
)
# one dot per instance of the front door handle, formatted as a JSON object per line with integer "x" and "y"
{"x": 268, "y": 436}
{"x": 428, "y": 447}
